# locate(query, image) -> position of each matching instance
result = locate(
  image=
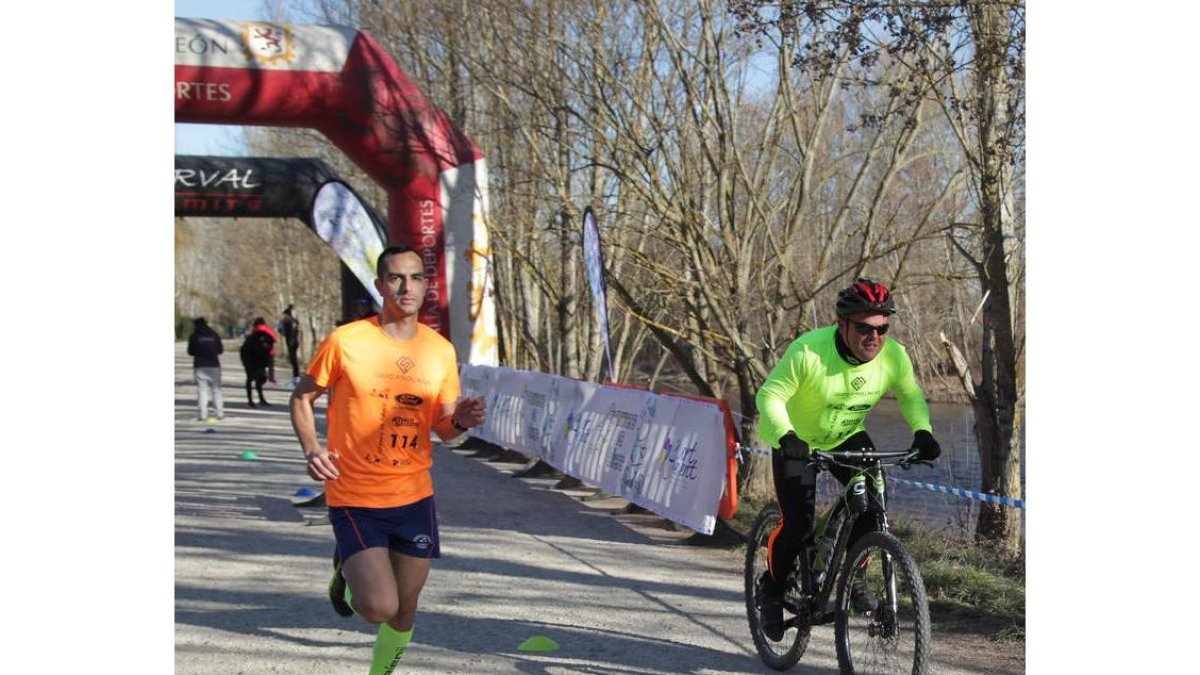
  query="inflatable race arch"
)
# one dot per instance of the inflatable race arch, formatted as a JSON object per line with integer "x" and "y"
{"x": 339, "y": 82}
{"x": 289, "y": 187}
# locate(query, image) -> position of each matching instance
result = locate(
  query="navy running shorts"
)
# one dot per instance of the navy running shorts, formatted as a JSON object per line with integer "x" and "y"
{"x": 410, "y": 529}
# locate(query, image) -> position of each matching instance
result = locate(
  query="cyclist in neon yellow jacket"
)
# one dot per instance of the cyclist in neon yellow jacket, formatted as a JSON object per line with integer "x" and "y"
{"x": 817, "y": 398}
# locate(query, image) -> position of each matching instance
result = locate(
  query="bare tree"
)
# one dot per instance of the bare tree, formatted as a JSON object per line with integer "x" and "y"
{"x": 732, "y": 199}
{"x": 742, "y": 169}
{"x": 232, "y": 270}
{"x": 968, "y": 59}
{"x": 744, "y": 203}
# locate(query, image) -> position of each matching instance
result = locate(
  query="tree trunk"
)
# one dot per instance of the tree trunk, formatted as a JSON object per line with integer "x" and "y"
{"x": 569, "y": 367}
{"x": 997, "y": 409}
{"x": 754, "y": 472}
{"x": 997, "y": 417}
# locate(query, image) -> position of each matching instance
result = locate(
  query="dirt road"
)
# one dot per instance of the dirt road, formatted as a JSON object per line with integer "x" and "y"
{"x": 618, "y": 593}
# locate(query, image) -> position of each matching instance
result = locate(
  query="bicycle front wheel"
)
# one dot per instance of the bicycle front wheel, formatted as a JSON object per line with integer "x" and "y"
{"x": 882, "y": 626}
{"x": 779, "y": 654}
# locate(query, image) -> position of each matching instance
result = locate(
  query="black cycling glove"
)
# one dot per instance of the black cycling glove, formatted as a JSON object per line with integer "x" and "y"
{"x": 928, "y": 448}
{"x": 791, "y": 447}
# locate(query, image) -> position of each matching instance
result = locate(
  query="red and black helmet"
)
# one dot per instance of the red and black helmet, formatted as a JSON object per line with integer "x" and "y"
{"x": 865, "y": 295}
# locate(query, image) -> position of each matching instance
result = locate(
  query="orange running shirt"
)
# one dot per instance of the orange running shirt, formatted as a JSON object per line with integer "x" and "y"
{"x": 385, "y": 395}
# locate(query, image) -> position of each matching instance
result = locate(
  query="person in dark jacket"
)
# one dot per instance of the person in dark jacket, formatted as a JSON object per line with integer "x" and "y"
{"x": 256, "y": 357}
{"x": 204, "y": 346}
{"x": 289, "y": 328}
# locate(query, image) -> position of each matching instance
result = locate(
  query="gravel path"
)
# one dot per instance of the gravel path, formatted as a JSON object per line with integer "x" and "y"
{"x": 618, "y": 593}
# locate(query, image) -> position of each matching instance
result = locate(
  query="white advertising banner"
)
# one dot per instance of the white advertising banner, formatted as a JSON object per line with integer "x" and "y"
{"x": 549, "y": 403}
{"x": 663, "y": 453}
{"x": 505, "y": 406}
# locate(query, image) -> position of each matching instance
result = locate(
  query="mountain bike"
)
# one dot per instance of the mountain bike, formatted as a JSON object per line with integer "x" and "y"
{"x": 893, "y": 636}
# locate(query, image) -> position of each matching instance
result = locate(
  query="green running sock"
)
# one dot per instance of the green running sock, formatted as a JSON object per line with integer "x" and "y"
{"x": 390, "y": 646}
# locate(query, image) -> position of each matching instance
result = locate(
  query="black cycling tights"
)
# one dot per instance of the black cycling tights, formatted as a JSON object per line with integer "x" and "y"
{"x": 796, "y": 491}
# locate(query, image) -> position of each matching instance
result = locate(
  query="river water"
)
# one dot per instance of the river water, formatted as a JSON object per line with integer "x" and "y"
{"x": 953, "y": 426}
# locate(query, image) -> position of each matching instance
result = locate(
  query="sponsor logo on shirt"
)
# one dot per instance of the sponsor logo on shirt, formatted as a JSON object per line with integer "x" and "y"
{"x": 405, "y": 364}
{"x": 409, "y": 399}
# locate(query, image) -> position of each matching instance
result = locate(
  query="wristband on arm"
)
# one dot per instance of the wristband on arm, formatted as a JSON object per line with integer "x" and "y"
{"x": 448, "y": 427}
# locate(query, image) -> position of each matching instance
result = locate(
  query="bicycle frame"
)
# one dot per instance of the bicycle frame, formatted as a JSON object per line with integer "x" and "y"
{"x": 869, "y": 466}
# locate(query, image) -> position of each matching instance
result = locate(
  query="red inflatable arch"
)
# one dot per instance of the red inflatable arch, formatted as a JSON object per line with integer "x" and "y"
{"x": 338, "y": 81}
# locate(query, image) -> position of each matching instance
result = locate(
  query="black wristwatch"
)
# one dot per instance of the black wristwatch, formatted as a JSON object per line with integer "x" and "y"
{"x": 456, "y": 425}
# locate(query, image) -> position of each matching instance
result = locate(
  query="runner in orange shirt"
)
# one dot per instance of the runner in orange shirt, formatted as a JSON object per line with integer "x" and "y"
{"x": 393, "y": 381}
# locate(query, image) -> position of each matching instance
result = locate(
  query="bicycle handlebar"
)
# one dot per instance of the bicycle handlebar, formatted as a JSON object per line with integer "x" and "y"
{"x": 903, "y": 458}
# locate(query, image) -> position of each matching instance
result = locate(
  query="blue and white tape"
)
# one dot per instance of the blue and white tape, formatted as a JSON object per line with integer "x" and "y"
{"x": 753, "y": 451}
{"x": 959, "y": 492}
{"x": 934, "y": 487}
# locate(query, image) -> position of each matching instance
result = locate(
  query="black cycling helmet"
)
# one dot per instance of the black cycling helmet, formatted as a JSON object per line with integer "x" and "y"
{"x": 865, "y": 296}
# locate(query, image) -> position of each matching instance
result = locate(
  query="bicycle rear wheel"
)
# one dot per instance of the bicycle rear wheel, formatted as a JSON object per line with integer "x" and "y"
{"x": 784, "y": 653}
{"x": 893, "y": 637}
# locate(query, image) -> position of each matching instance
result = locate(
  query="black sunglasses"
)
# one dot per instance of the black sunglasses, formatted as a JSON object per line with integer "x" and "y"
{"x": 866, "y": 328}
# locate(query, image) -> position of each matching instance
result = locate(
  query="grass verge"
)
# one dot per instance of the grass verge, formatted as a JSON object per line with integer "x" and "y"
{"x": 970, "y": 586}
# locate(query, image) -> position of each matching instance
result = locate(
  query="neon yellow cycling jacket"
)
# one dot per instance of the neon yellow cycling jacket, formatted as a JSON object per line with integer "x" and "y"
{"x": 825, "y": 399}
